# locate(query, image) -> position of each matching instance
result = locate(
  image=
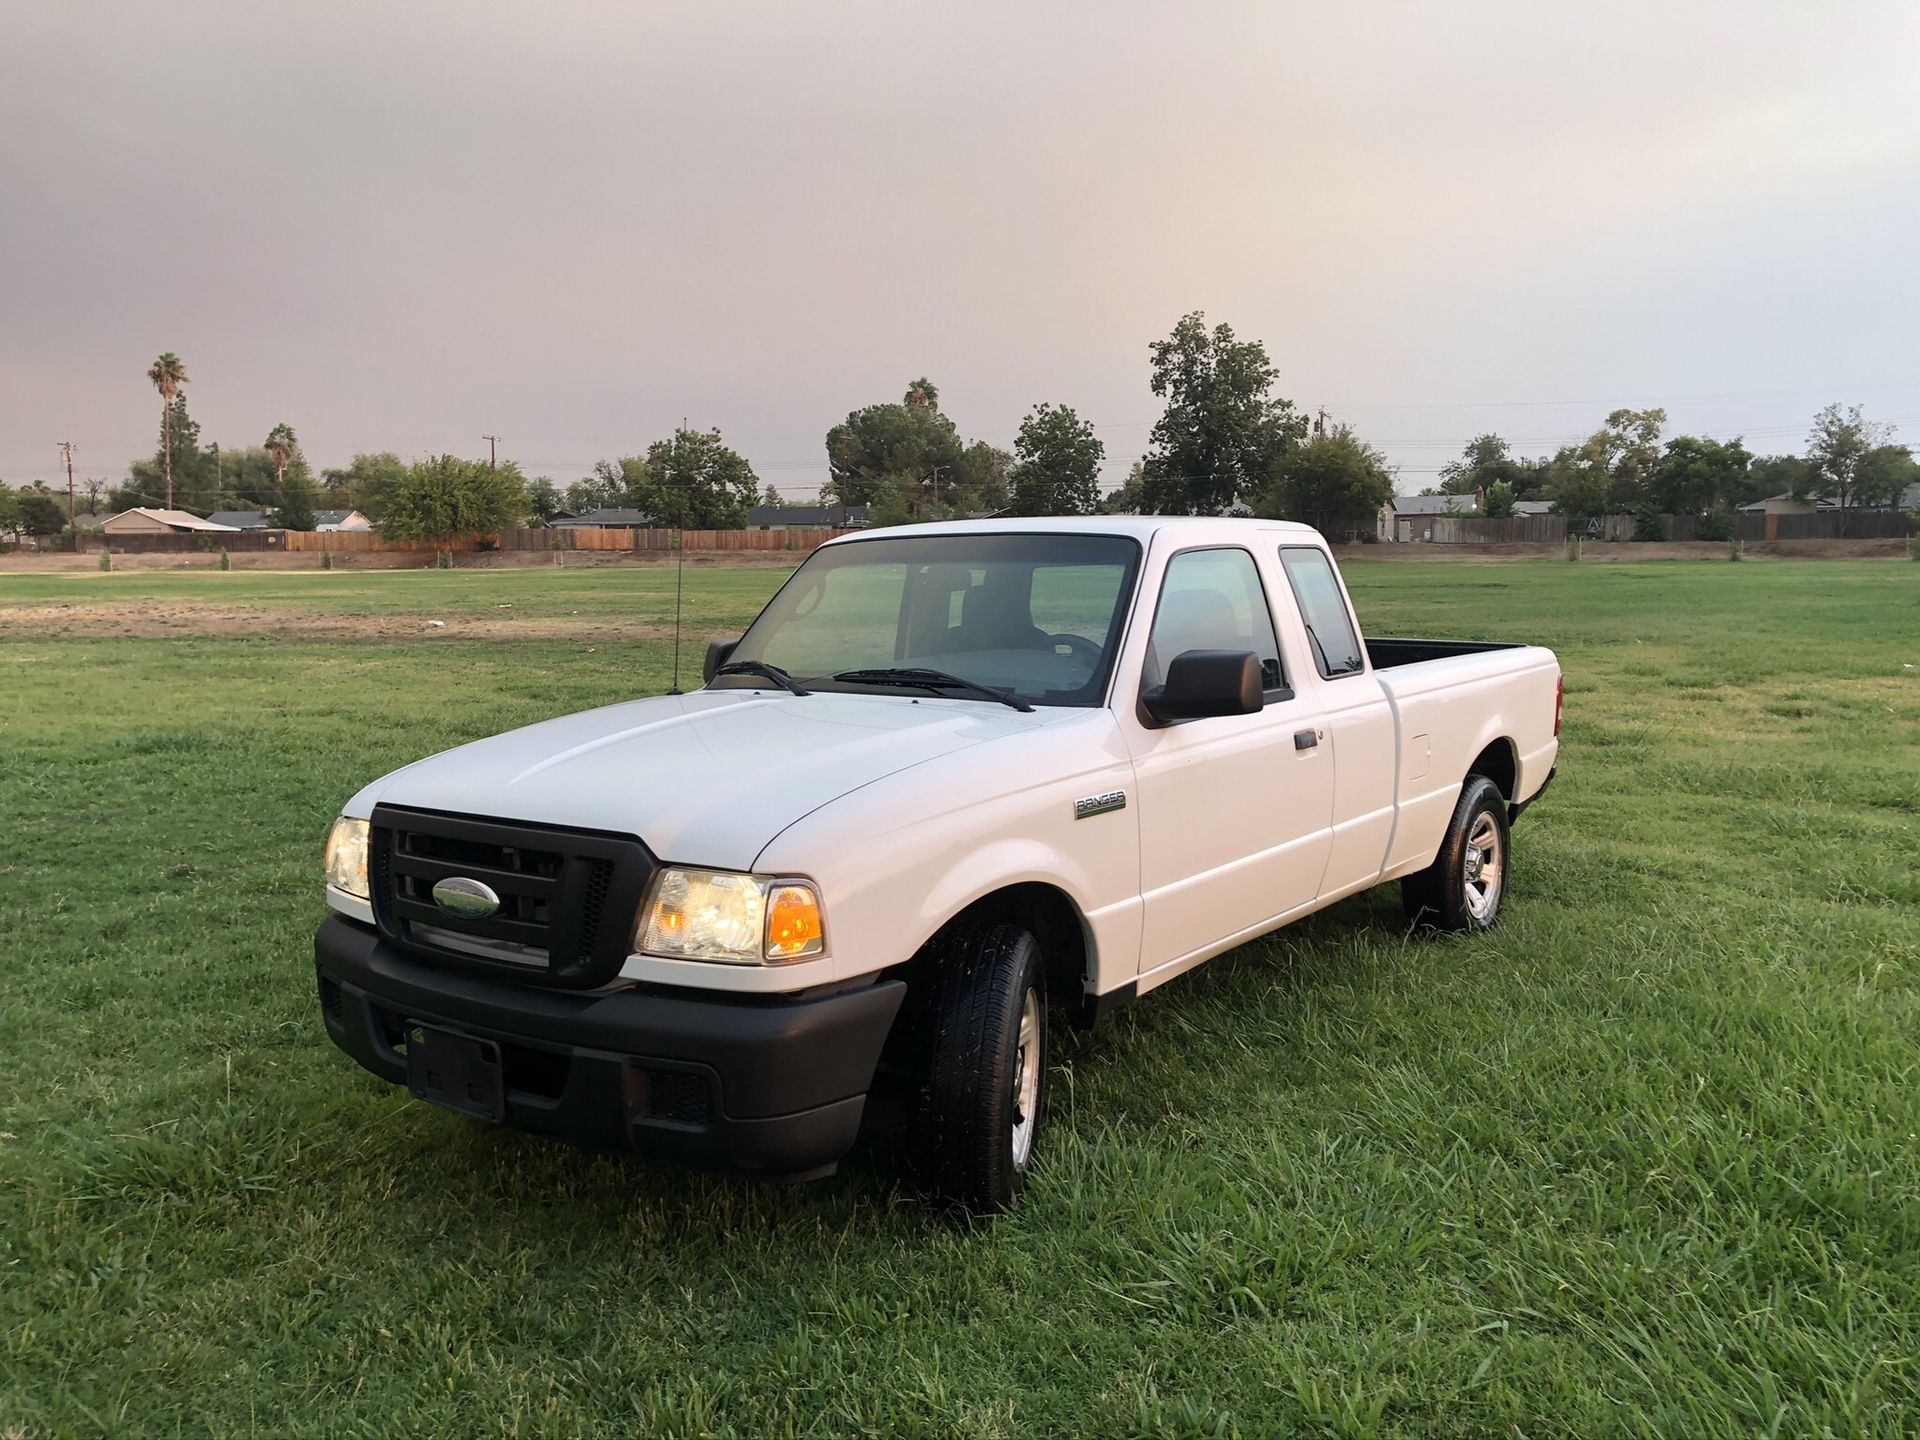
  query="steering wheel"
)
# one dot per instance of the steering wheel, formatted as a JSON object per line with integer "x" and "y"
{"x": 1081, "y": 648}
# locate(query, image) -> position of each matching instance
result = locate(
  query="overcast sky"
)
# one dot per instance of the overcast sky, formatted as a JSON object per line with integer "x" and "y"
{"x": 398, "y": 227}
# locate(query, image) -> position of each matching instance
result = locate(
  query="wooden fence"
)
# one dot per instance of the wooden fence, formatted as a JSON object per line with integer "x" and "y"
{"x": 363, "y": 542}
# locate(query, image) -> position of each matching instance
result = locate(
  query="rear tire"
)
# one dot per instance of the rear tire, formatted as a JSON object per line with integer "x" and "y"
{"x": 1466, "y": 885}
{"x": 983, "y": 1072}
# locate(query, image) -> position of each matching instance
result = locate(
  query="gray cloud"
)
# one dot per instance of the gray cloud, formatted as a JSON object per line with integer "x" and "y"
{"x": 397, "y": 227}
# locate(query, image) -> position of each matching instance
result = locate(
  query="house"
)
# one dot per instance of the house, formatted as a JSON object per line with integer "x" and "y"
{"x": 807, "y": 517}
{"x": 614, "y": 517}
{"x": 1407, "y": 516}
{"x": 1532, "y": 507}
{"x": 1785, "y": 505}
{"x": 341, "y": 520}
{"x": 142, "y": 521}
{"x": 241, "y": 519}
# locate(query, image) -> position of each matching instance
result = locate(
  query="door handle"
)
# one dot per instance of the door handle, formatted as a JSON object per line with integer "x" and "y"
{"x": 1305, "y": 739}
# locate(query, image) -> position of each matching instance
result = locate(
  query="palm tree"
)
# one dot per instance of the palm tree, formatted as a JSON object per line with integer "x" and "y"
{"x": 281, "y": 446}
{"x": 168, "y": 374}
{"x": 925, "y": 393}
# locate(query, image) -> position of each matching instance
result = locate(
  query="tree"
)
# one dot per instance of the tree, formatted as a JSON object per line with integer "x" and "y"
{"x": 1852, "y": 461}
{"x": 284, "y": 450}
{"x": 180, "y": 474}
{"x": 1056, "y": 467}
{"x": 168, "y": 374}
{"x": 361, "y": 483}
{"x": 543, "y": 499}
{"x": 613, "y": 484}
{"x": 1886, "y": 473}
{"x": 1606, "y": 473}
{"x": 1696, "y": 476}
{"x": 981, "y": 484}
{"x": 1223, "y": 430}
{"x": 295, "y": 510}
{"x": 771, "y": 496}
{"x": 10, "y": 522}
{"x": 41, "y": 511}
{"x": 905, "y": 457}
{"x": 1499, "y": 504}
{"x": 1335, "y": 482}
{"x": 1462, "y": 476}
{"x": 1128, "y": 499}
{"x": 1486, "y": 462}
{"x": 449, "y": 498}
{"x": 694, "y": 481}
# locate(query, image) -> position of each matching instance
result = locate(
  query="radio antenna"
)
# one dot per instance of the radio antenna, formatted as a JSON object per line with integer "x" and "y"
{"x": 679, "y": 586}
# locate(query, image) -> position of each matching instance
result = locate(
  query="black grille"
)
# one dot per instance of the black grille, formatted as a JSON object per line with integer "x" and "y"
{"x": 567, "y": 897}
{"x": 682, "y": 1096}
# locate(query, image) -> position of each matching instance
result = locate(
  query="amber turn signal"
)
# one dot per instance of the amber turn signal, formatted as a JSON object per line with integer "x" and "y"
{"x": 793, "y": 923}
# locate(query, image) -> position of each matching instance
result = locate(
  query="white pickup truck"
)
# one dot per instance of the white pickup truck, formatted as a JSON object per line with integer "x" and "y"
{"x": 955, "y": 780}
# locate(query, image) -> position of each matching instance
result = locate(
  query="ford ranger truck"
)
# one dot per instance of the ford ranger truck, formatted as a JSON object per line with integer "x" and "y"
{"x": 955, "y": 782}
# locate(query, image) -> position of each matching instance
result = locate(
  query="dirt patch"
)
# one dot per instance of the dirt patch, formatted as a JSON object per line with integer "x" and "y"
{"x": 148, "y": 619}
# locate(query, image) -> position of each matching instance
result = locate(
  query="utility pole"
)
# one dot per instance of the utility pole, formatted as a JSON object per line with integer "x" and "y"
{"x": 493, "y": 450}
{"x": 1320, "y": 425}
{"x": 66, "y": 449}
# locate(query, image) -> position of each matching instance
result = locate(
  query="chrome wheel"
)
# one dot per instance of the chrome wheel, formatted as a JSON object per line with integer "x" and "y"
{"x": 1485, "y": 867}
{"x": 1027, "y": 1061}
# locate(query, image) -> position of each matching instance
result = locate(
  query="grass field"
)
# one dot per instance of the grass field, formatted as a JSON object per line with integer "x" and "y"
{"x": 1642, "y": 1161}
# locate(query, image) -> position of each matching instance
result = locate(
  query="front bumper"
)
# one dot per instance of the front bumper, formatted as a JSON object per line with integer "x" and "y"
{"x": 759, "y": 1084}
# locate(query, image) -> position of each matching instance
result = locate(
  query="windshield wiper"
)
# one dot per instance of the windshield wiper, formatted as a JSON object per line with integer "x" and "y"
{"x": 765, "y": 671}
{"x": 935, "y": 680}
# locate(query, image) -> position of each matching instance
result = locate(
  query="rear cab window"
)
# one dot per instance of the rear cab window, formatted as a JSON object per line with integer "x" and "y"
{"x": 1330, "y": 631}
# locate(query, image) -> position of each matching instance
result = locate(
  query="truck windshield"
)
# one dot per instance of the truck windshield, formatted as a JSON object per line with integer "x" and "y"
{"x": 1035, "y": 616}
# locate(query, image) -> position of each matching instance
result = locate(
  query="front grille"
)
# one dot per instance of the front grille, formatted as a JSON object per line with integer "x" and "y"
{"x": 567, "y": 897}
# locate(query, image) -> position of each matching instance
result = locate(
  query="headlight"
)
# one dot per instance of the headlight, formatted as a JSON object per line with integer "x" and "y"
{"x": 347, "y": 857}
{"x": 733, "y": 918}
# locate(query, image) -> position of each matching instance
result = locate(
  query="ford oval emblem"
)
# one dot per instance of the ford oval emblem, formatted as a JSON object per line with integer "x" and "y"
{"x": 467, "y": 899}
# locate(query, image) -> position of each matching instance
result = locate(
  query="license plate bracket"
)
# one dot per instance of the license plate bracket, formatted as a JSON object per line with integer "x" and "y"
{"x": 459, "y": 1072}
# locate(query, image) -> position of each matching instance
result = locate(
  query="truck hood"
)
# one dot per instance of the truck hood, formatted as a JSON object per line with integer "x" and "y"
{"x": 703, "y": 779}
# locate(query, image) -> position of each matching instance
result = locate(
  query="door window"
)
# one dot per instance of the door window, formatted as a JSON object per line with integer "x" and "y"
{"x": 1336, "y": 648}
{"x": 1212, "y": 600}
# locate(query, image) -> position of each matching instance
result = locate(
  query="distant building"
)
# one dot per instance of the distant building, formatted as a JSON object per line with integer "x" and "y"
{"x": 340, "y": 520}
{"x": 142, "y": 521}
{"x": 1533, "y": 507}
{"x": 240, "y": 519}
{"x": 1409, "y": 517}
{"x": 1786, "y": 505}
{"x": 807, "y": 517}
{"x": 614, "y": 517}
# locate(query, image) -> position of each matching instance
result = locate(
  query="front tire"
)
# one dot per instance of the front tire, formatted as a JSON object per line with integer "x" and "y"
{"x": 1466, "y": 885}
{"x": 983, "y": 1068}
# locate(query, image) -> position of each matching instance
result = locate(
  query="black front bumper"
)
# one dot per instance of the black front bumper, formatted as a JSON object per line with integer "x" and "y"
{"x": 766, "y": 1085}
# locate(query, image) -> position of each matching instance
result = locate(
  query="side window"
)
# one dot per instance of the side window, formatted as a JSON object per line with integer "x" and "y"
{"x": 1336, "y": 649}
{"x": 1212, "y": 600}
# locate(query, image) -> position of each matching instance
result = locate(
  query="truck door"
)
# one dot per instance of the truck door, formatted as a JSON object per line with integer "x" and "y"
{"x": 1236, "y": 811}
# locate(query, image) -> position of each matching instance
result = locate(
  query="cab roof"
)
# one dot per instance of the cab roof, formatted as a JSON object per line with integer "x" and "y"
{"x": 1139, "y": 527}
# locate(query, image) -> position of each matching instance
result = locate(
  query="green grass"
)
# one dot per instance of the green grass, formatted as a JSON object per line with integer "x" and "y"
{"x": 1642, "y": 1161}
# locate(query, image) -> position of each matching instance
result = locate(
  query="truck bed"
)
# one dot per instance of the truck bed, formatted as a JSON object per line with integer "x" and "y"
{"x": 1386, "y": 654}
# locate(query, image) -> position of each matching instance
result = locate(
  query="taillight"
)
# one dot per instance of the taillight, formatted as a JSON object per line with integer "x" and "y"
{"x": 1559, "y": 701}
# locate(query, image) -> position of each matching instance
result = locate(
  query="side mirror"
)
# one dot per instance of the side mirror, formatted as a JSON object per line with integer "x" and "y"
{"x": 717, "y": 653}
{"x": 1207, "y": 682}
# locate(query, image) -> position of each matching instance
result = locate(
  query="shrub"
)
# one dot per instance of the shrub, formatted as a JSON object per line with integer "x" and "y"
{"x": 326, "y": 559}
{"x": 106, "y": 559}
{"x": 1734, "y": 548}
{"x": 1718, "y": 525}
{"x": 226, "y": 560}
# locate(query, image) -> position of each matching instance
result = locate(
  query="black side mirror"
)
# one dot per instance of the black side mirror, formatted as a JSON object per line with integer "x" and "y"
{"x": 1207, "y": 682}
{"x": 717, "y": 653}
